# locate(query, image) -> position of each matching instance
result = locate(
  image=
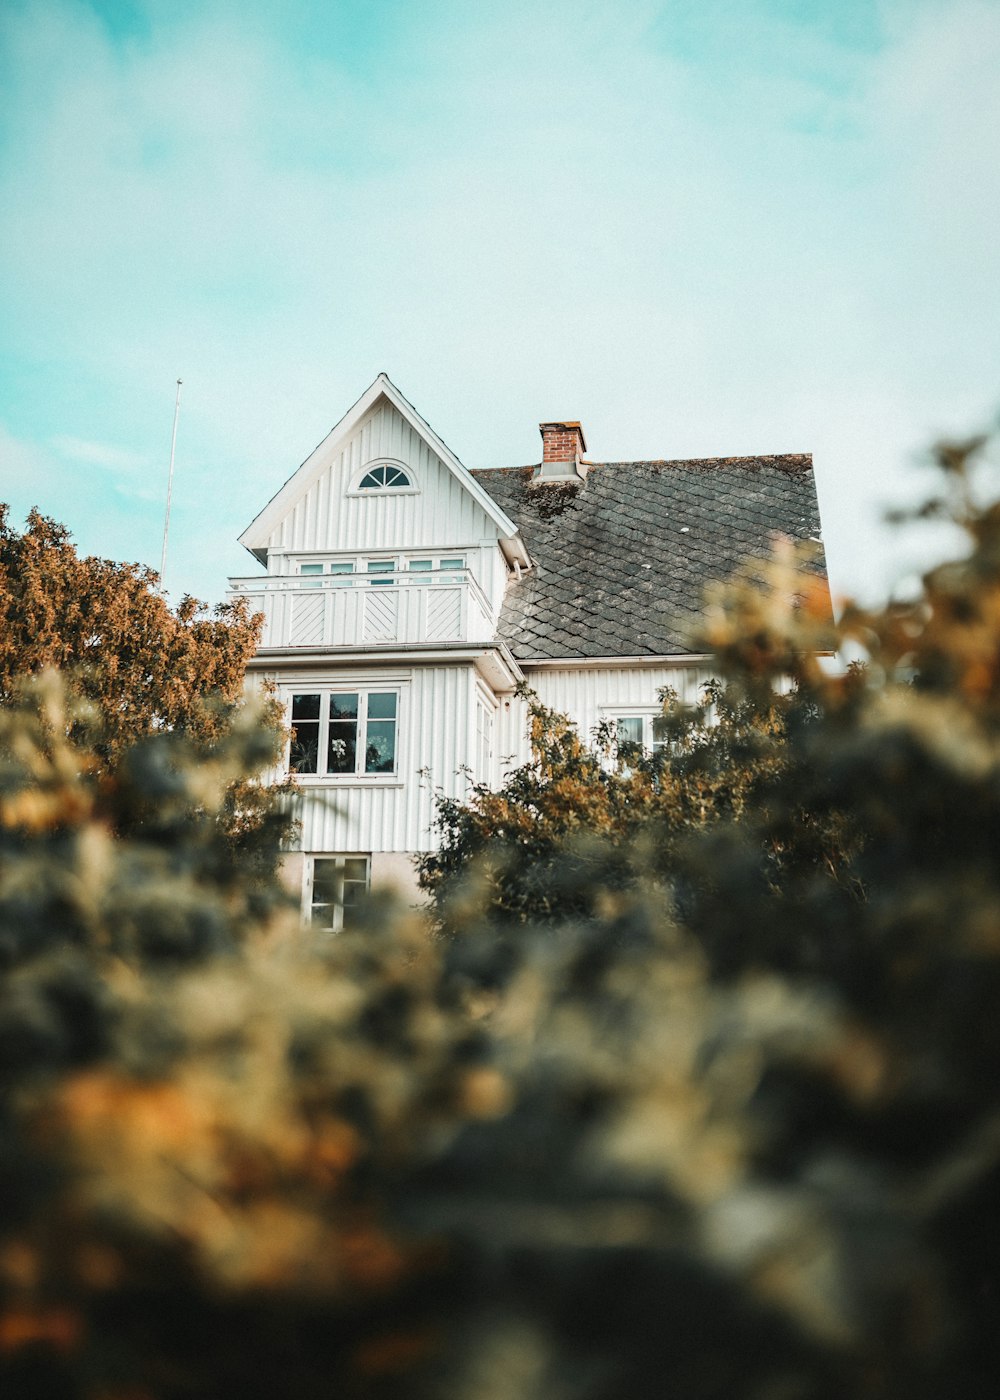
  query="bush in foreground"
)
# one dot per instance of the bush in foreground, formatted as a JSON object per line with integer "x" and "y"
{"x": 728, "y": 1129}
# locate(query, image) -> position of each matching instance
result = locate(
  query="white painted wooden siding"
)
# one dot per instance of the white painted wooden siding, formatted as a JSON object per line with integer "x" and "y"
{"x": 436, "y": 733}
{"x": 440, "y": 516}
{"x": 589, "y": 694}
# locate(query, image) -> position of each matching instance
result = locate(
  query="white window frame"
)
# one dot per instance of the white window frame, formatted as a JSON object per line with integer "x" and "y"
{"x": 337, "y": 906}
{"x": 378, "y": 492}
{"x": 646, "y": 713}
{"x": 486, "y": 709}
{"x": 447, "y": 569}
{"x": 320, "y": 571}
{"x": 379, "y": 577}
{"x": 363, "y": 690}
{"x": 444, "y": 567}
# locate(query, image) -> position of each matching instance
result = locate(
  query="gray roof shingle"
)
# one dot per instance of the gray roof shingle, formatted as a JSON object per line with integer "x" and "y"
{"x": 621, "y": 563}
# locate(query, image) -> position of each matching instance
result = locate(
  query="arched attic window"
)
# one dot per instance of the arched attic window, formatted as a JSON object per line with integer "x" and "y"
{"x": 384, "y": 477}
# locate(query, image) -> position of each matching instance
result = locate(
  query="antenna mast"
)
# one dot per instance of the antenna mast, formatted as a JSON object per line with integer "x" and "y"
{"x": 170, "y": 483}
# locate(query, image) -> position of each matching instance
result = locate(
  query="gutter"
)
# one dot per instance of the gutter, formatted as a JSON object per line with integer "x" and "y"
{"x": 586, "y": 663}
{"x": 416, "y": 654}
{"x": 598, "y": 663}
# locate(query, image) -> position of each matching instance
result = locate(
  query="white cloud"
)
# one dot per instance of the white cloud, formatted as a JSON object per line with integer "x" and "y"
{"x": 100, "y": 454}
{"x": 25, "y": 467}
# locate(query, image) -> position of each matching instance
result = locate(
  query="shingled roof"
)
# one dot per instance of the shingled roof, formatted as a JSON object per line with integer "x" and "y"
{"x": 621, "y": 562}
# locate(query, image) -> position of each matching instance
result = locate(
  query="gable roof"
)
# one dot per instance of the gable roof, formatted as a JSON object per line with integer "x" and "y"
{"x": 621, "y": 562}
{"x": 255, "y": 537}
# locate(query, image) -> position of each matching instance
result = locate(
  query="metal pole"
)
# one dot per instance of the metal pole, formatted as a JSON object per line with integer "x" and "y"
{"x": 170, "y": 483}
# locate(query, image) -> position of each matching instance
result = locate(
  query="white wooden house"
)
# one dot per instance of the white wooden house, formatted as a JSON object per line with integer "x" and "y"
{"x": 405, "y": 597}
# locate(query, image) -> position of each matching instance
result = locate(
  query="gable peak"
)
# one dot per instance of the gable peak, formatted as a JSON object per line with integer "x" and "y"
{"x": 255, "y": 537}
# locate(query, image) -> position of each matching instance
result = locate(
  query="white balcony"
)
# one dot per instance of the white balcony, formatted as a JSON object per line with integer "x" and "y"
{"x": 405, "y": 608}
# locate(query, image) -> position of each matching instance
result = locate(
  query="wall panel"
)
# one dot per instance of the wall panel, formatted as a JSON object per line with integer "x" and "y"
{"x": 587, "y": 694}
{"x": 436, "y": 717}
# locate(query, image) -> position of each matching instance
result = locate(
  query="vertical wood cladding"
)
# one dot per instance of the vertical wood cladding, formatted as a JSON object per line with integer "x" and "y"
{"x": 440, "y": 514}
{"x": 436, "y": 716}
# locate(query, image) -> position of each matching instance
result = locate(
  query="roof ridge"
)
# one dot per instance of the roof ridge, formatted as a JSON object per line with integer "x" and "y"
{"x": 801, "y": 461}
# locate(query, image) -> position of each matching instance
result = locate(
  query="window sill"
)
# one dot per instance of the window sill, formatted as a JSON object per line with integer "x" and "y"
{"x": 315, "y": 780}
{"x": 375, "y": 491}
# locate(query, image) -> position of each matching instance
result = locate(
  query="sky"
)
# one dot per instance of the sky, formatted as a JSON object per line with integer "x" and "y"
{"x": 702, "y": 227}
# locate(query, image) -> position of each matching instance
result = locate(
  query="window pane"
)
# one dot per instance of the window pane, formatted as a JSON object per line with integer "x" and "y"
{"x": 421, "y": 566}
{"x": 303, "y": 753}
{"x": 381, "y": 566}
{"x": 380, "y": 746}
{"x": 629, "y": 729}
{"x": 349, "y": 910}
{"x": 342, "y": 574}
{"x": 383, "y": 476}
{"x": 382, "y": 705}
{"x": 327, "y": 880}
{"x": 355, "y": 889}
{"x": 453, "y": 563}
{"x": 342, "y": 747}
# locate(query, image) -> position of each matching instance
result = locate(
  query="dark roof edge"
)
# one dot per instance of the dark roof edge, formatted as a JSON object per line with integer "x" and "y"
{"x": 577, "y": 662}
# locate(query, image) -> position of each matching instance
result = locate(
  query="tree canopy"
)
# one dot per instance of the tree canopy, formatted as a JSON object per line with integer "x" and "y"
{"x": 106, "y": 625}
{"x": 139, "y": 667}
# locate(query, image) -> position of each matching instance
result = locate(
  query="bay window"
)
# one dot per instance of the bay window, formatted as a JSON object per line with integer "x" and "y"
{"x": 344, "y": 733}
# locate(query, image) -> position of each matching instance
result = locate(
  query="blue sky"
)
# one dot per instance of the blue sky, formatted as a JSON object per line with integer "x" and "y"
{"x": 701, "y": 227}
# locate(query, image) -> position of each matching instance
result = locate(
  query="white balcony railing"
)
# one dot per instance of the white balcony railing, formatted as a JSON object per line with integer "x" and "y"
{"x": 434, "y": 605}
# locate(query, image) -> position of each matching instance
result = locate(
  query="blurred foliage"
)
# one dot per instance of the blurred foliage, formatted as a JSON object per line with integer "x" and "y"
{"x": 723, "y": 1127}
{"x": 583, "y": 817}
{"x": 580, "y": 819}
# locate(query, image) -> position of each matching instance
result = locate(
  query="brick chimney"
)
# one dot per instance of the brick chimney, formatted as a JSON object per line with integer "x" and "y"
{"x": 563, "y": 446}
